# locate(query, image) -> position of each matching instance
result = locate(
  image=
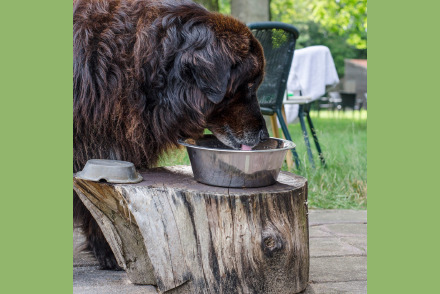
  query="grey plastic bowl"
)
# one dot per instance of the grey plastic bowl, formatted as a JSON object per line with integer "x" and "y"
{"x": 111, "y": 171}
{"x": 213, "y": 163}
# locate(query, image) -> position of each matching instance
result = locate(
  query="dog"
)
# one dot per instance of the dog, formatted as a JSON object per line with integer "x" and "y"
{"x": 147, "y": 73}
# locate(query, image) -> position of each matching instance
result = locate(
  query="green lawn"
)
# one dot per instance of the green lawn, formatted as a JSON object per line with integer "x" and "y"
{"x": 343, "y": 184}
{"x": 343, "y": 138}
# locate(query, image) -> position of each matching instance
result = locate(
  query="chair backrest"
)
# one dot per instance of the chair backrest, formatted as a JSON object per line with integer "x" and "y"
{"x": 348, "y": 100}
{"x": 278, "y": 41}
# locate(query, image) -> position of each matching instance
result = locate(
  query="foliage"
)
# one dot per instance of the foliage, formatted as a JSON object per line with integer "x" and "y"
{"x": 222, "y": 6}
{"x": 345, "y": 17}
{"x": 290, "y": 11}
{"x": 300, "y": 13}
{"x": 211, "y": 5}
{"x": 312, "y": 33}
{"x": 338, "y": 24}
{"x": 343, "y": 138}
{"x": 225, "y": 6}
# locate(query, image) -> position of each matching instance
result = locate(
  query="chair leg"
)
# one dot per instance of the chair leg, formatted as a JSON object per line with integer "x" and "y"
{"x": 283, "y": 111}
{"x": 306, "y": 136}
{"x": 287, "y": 135}
{"x": 276, "y": 134}
{"x": 289, "y": 161}
{"x": 289, "y": 158}
{"x": 273, "y": 122}
{"x": 315, "y": 138}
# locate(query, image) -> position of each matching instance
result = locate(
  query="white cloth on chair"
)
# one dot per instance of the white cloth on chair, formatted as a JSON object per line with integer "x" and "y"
{"x": 312, "y": 70}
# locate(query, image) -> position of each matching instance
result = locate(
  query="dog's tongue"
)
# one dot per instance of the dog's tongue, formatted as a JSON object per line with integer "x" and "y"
{"x": 246, "y": 148}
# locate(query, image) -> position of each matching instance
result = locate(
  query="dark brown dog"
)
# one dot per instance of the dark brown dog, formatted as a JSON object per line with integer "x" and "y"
{"x": 146, "y": 73}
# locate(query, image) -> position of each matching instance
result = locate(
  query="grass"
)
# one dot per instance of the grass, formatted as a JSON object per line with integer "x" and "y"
{"x": 343, "y": 138}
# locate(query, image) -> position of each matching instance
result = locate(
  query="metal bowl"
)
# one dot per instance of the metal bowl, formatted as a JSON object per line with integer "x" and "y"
{"x": 216, "y": 164}
{"x": 110, "y": 171}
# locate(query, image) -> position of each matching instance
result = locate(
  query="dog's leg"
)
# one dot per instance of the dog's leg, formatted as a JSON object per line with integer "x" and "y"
{"x": 95, "y": 240}
{"x": 98, "y": 245}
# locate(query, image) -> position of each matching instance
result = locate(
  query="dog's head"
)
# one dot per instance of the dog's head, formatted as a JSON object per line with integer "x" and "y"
{"x": 237, "y": 120}
{"x": 214, "y": 65}
{"x": 229, "y": 72}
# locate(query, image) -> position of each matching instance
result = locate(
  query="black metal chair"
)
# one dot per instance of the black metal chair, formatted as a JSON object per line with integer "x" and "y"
{"x": 278, "y": 41}
{"x": 348, "y": 100}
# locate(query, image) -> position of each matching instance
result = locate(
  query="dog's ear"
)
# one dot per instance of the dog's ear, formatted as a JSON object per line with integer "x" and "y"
{"x": 210, "y": 72}
{"x": 205, "y": 62}
{"x": 217, "y": 80}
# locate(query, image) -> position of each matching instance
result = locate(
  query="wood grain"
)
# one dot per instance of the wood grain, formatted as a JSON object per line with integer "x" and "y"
{"x": 186, "y": 237}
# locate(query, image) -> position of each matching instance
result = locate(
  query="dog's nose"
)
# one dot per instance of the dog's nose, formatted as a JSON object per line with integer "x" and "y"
{"x": 264, "y": 135}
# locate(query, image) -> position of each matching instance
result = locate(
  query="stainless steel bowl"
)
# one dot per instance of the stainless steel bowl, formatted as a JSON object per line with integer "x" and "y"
{"x": 215, "y": 164}
{"x": 110, "y": 171}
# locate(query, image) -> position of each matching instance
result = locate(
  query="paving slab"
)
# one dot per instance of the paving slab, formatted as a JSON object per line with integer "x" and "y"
{"x": 356, "y": 287}
{"x": 358, "y": 242}
{"x": 338, "y": 269}
{"x": 319, "y": 216}
{"x": 345, "y": 230}
{"x": 319, "y": 232}
{"x": 333, "y": 247}
{"x": 80, "y": 257}
{"x": 88, "y": 280}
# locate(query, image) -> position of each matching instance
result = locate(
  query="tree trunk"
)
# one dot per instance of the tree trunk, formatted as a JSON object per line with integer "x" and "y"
{"x": 250, "y": 10}
{"x": 211, "y": 5}
{"x": 186, "y": 237}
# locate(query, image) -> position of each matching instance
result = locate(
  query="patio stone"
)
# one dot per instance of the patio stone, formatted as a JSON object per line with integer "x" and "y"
{"x": 90, "y": 279}
{"x": 333, "y": 247}
{"x": 346, "y": 230}
{"x": 338, "y": 269}
{"x": 81, "y": 258}
{"x": 317, "y": 232}
{"x": 358, "y": 242}
{"x": 319, "y": 216}
{"x": 355, "y": 287}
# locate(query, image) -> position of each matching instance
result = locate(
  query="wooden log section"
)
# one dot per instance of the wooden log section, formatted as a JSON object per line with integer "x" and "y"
{"x": 186, "y": 237}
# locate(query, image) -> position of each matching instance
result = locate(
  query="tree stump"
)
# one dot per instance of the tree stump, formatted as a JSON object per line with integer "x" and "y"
{"x": 186, "y": 237}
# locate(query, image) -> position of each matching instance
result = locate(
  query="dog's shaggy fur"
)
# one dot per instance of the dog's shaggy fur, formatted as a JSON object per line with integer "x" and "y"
{"x": 146, "y": 73}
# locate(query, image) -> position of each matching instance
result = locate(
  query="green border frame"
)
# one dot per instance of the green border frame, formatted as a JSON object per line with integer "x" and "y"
{"x": 36, "y": 146}
{"x": 403, "y": 157}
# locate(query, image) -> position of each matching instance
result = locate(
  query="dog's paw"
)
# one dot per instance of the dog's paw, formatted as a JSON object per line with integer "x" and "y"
{"x": 108, "y": 262}
{"x": 104, "y": 255}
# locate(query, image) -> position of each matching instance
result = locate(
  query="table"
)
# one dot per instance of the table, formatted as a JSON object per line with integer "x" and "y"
{"x": 312, "y": 71}
{"x": 303, "y": 104}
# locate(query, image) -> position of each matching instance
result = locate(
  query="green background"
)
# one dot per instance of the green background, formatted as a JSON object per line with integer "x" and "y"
{"x": 403, "y": 137}
{"x": 36, "y": 146}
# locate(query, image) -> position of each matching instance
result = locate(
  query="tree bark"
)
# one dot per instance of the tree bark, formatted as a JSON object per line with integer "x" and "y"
{"x": 250, "y": 10}
{"x": 186, "y": 237}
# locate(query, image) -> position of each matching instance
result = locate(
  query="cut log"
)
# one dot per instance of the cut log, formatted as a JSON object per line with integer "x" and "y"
{"x": 186, "y": 237}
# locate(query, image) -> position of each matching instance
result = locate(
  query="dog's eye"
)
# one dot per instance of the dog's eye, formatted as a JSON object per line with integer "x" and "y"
{"x": 250, "y": 85}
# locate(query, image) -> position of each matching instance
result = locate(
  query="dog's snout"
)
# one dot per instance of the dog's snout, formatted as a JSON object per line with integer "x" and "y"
{"x": 264, "y": 135}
